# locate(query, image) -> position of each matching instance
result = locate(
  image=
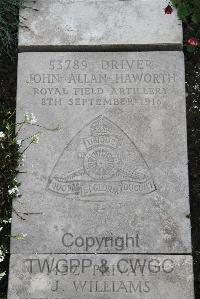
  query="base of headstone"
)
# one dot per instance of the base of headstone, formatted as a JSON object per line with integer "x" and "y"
{"x": 101, "y": 276}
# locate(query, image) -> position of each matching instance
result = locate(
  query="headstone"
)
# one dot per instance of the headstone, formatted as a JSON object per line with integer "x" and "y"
{"x": 74, "y": 24}
{"x": 118, "y": 165}
{"x": 104, "y": 206}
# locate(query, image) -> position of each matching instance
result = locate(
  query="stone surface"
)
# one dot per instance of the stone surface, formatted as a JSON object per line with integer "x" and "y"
{"x": 115, "y": 172}
{"x": 100, "y": 276}
{"x": 133, "y": 24}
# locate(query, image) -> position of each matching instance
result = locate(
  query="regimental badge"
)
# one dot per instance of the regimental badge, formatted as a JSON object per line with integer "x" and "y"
{"x": 101, "y": 160}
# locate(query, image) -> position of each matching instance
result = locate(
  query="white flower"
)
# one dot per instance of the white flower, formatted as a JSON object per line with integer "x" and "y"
{"x": 2, "y": 274}
{"x": 14, "y": 190}
{"x": 20, "y": 236}
{"x": 2, "y": 135}
{"x": 21, "y": 159}
{"x": 19, "y": 142}
{"x": 2, "y": 255}
{"x": 29, "y": 118}
{"x": 7, "y": 221}
{"x": 35, "y": 138}
{"x": 1, "y": 227}
{"x": 1, "y": 258}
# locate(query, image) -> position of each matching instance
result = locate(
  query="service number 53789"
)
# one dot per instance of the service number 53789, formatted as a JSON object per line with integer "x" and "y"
{"x": 67, "y": 64}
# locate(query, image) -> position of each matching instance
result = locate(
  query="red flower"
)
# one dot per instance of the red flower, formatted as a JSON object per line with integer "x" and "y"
{"x": 168, "y": 10}
{"x": 192, "y": 41}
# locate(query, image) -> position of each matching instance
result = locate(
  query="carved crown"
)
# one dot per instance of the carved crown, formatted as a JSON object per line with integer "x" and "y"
{"x": 100, "y": 127}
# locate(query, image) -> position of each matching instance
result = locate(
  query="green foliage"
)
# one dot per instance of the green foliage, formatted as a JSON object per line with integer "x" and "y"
{"x": 193, "y": 121}
{"x": 9, "y": 24}
{"x": 12, "y": 151}
{"x": 9, "y": 158}
{"x": 9, "y": 21}
{"x": 188, "y": 10}
{"x": 189, "y": 13}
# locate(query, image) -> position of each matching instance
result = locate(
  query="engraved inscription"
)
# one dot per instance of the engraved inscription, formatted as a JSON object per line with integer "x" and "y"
{"x": 122, "y": 82}
{"x": 129, "y": 275}
{"x": 101, "y": 159}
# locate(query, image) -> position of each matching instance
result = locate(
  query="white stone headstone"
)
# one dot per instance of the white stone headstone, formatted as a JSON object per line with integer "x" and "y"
{"x": 105, "y": 201}
{"x": 118, "y": 164}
